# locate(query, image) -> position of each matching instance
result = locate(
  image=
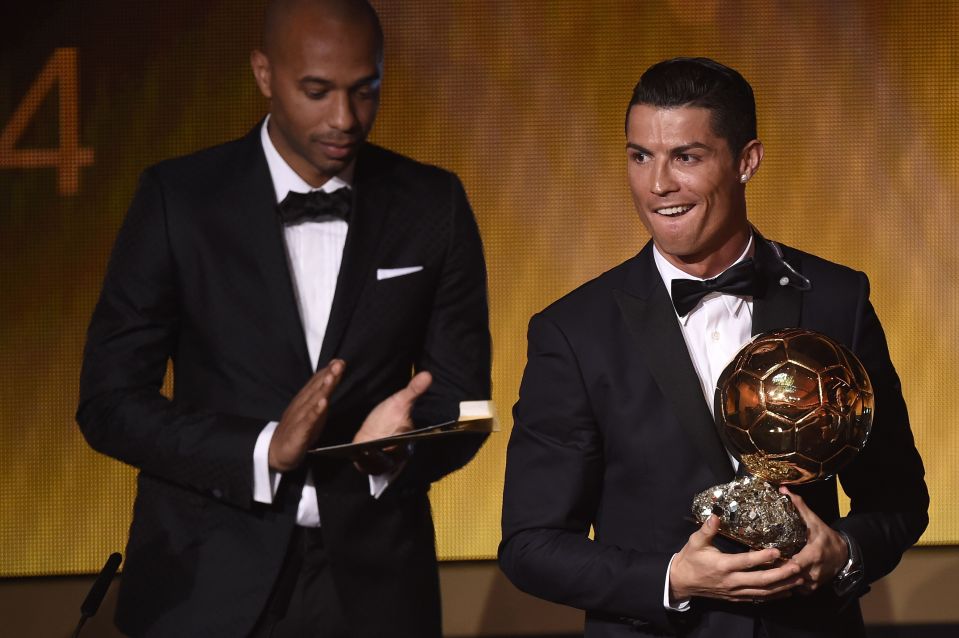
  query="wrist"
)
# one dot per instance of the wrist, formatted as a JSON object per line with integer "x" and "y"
{"x": 674, "y": 582}
{"x": 279, "y": 464}
{"x": 676, "y": 601}
{"x": 850, "y": 573}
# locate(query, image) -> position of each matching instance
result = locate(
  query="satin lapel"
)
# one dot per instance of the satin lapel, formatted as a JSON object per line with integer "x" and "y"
{"x": 255, "y": 207}
{"x": 371, "y": 199}
{"x": 781, "y": 305}
{"x": 649, "y": 313}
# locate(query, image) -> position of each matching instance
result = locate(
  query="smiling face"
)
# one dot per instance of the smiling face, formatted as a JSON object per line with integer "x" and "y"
{"x": 687, "y": 186}
{"x": 322, "y": 77}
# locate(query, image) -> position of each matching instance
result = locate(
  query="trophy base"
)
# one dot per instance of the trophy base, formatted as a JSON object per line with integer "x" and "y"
{"x": 753, "y": 513}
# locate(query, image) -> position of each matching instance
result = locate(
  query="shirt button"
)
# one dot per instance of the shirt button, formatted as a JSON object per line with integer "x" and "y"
{"x": 715, "y": 336}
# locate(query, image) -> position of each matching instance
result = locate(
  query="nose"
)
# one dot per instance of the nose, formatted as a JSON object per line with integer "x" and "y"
{"x": 342, "y": 115}
{"x": 663, "y": 179}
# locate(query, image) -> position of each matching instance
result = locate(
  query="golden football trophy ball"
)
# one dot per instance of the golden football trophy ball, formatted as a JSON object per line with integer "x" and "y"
{"x": 793, "y": 406}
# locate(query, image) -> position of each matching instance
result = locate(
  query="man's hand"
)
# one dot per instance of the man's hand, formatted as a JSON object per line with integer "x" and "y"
{"x": 303, "y": 420}
{"x": 391, "y": 416}
{"x": 825, "y": 552}
{"x": 700, "y": 569}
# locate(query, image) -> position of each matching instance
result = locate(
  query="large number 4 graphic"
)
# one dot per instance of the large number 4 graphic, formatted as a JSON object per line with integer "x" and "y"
{"x": 60, "y": 71}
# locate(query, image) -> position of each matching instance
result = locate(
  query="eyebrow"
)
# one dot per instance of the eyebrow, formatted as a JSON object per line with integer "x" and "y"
{"x": 679, "y": 150}
{"x": 315, "y": 79}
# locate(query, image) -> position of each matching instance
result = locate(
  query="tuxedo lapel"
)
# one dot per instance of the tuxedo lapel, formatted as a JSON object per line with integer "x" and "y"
{"x": 371, "y": 200}
{"x": 255, "y": 210}
{"x": 649, "y": 313}
{"x": 780, "y": 305}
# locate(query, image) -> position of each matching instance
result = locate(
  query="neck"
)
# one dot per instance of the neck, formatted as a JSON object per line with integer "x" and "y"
{"x": 714, "y": 263}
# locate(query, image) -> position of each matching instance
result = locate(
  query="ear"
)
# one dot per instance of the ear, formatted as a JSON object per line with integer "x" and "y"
{"x": 749, "y": 159}
{"x": 261, "y": 72}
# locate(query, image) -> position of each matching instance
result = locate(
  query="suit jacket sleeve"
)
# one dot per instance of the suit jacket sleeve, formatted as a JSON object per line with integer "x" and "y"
{"x": 888, "y": 496}
{"x": 456, "y": 346}
{"x": 131, "y": 337}
{"x": 554, "y": 475}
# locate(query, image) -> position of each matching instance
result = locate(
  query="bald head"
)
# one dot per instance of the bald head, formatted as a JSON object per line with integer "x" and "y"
{"x": 282, "y": 14}
{"x": 320, "y": 66}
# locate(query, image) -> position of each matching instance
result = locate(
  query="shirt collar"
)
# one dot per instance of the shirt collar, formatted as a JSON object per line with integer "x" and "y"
{"x": 734, "y": 304}
{"x": 285, "y": 179}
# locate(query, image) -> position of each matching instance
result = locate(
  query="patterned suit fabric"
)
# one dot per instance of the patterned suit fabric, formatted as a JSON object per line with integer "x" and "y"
{"x": 199, "y": 276}
{"x": 611, "y": 431}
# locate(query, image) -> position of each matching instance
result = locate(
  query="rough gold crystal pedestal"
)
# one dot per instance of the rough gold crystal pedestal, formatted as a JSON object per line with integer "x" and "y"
{"x": 753, "y": 512}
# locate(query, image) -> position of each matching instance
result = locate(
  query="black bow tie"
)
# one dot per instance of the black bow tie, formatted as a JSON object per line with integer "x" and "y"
{"x": 742, "y": 279}
{"x": 298, "y": 207}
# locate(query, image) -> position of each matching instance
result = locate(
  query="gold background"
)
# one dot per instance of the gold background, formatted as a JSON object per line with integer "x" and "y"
{"x": 858, "y": 106}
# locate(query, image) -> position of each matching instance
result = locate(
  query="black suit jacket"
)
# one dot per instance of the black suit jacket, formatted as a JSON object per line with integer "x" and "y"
{"x": 199, "y": 275}
{"x": 611, "y": 431}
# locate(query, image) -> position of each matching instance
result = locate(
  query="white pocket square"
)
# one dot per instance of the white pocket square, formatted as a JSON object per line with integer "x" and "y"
{"x": 389, "y": 273}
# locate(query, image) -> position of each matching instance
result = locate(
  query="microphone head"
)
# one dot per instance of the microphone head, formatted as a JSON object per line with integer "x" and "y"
{"x": 100, "y": 586}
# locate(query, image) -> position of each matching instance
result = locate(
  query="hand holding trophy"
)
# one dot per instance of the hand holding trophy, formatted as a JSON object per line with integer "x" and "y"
{"x": 793, "y": 406}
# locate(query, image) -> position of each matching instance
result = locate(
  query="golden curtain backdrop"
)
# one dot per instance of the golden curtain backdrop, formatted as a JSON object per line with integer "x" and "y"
{"x": 858, "y": 110}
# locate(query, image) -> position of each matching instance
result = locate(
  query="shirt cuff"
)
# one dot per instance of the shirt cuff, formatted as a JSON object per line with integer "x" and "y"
{"x": 668, "y": 603}
{"x": 265, "y": 480}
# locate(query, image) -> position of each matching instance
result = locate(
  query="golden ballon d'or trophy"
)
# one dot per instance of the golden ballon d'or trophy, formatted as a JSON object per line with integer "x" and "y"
{"x": 793, "y": 406}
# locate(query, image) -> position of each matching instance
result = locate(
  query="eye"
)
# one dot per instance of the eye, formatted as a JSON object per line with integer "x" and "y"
{"x": 365, "y": 93}
{"x": 638, "y": 156}
{"x": 316, "y": 95}
{"x": 687, "y": 158}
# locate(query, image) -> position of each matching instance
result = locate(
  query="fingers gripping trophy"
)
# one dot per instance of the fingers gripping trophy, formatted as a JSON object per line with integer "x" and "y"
{"x": 793, "y": 406}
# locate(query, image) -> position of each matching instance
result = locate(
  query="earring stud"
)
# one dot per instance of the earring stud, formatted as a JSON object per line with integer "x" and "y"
{"x": 744, "y": 178}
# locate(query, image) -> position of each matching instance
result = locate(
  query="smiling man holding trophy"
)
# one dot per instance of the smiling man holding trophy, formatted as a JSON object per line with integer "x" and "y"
{"x": 613, "y": 431}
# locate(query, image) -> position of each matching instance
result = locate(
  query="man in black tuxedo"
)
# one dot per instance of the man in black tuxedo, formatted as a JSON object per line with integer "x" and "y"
{"x": 613, "y": 430}
{"x": 295, "y": 278}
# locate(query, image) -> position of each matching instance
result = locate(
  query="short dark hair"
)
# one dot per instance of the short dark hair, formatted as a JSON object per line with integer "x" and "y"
{"x": 702, "y": 83}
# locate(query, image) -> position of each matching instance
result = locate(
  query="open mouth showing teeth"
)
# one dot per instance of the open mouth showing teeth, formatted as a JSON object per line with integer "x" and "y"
{"x": 672, "y": 211}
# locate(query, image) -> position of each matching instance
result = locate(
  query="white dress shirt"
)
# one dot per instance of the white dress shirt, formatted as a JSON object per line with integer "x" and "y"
{"x": 714, "y": 331}
{"x": 314, "y": 252}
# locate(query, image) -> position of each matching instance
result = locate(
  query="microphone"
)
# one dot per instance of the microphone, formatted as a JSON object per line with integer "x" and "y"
{"x": 99, "y": 589}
